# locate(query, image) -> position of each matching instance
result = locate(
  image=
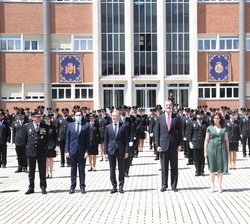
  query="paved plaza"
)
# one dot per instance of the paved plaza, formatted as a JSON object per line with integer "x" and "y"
{"x": 142, "y": 201}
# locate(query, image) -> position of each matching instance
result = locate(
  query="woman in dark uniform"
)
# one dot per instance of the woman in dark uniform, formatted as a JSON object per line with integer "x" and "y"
{"x": 141, "y": 128}
{"x": 233, "y": 128}
{"x": 51, "y": 153}
{"x": 94, "y": 142}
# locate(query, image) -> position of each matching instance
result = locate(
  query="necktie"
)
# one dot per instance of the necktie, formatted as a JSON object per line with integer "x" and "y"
{"x": 78, "y": 128}
{"x": 168, "y": 122}
{"x": 200, "y": 123}
{"x": 115, "y": 132}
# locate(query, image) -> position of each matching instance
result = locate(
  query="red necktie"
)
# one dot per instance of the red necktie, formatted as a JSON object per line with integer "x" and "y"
{"x": 168, "y": 124}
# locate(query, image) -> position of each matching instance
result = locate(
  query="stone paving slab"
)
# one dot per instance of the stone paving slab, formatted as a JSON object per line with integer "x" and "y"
{"x": 142, "y": 201}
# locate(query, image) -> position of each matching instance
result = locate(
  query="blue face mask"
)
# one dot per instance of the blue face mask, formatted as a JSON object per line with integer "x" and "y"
{"x": 78, "y": 118}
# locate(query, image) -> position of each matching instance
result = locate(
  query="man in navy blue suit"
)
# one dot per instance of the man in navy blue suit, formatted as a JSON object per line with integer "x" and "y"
{"x": 76, "y": 148}
{"x": 168, "y": 140}
{"x": 116, "y": 147}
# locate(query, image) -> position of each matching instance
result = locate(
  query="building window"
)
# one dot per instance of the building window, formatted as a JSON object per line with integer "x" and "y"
{"x": 219, "y": 0}
{"x": 61, "y": 42}
{"x": 72, "y": 92}
{"x": 207, "y": 91}
{"x": 248, "y": 42}
{"x": 145, "y": 37}
{"x": 177, "y": 37}
{"x": 10, "y": 42}
{"x": 83, "y": 43}
{"x": 71, "y": 0}
{"x": 113, "y": 95}
{"x": 113, "y": 37}
{"x": 33, "y": 45}
{"x": 206, "y": 44}
{"x": 84, "y": 91}
{"x": 229, "y": 90}
{"x": 229, "y": 43}
{"x": 218, "y": 91}
{"x": 146, "y": 95}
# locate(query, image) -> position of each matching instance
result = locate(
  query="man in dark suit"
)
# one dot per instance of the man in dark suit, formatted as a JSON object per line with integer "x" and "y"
{"x": 19, "y": 132}
{"x": 4, "y": 138}
{"x": 37, "y": 137}
{"x": 116, "y": 147}
{"x": 168, "y": 140}
{"x": 76, "y": 148}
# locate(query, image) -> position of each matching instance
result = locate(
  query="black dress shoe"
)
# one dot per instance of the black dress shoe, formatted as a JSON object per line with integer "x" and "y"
{"x": 163, "y": 189}
{"x": 3, "y": 166}
{"x": 71, "y": 191}
{"x": 202, "y": 174}
{"x": 156, "y": 158}
{"x": 44, "y": 191}
{"x": 189, "y": 163}
{"x": 126, "y": 174}
{"x": 19, "y": 170}
{"x": 114, "y": 190}
{"x": 197, "y": 174}
{"x": 121, "y": 190}
{"x": 62, "y": 165}
{"x": 30, "y": 191}
{"x": 175, "y": 189}
{"x": 101, "y": 159}
{"x": 83, "y": 190}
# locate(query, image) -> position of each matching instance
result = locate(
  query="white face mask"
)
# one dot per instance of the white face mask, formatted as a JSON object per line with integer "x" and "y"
{"x": 78, "y": 118}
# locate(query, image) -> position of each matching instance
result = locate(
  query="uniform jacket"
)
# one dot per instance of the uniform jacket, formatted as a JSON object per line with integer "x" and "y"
{"x": 53, "y": 136}
{"x": 19, "y": 132}
{"x": 233, "y": 131}
{"x": 62, "y": 126}
{"x": 36, "y": 141}
{"x": 103, "y": 122}
{"x": 77, "y": 142}
{"x": 94, "y": 134}
{"x": 111, "y": 142}
{"x": 197, "y": 133}
{"x": 4, "y": 133}
{"x": 245, "y": 126}
{"x": 165, "y": 138}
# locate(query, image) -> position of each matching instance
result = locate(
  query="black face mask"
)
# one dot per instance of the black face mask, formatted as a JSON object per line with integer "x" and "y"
{"x": 124, "y": 114}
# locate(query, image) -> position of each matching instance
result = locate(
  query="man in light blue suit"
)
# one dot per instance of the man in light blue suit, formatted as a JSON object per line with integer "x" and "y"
{"x": 76, "y": 148}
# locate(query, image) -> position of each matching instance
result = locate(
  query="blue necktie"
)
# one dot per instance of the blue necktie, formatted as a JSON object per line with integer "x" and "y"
{"x": 78, "y": 128}
{"x": 115, "y": 132}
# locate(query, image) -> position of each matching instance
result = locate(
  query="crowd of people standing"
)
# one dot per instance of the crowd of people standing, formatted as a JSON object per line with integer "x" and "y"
{"x": 119, "y": 135}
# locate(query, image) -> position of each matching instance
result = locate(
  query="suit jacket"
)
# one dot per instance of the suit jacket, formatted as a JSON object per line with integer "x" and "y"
{"x": 77, "y": 142}
{"x": 36, "y": 141}
{"x": 165, "y": 138}
{"x": 111, "y": 142}
{"x": 19, "y": 133}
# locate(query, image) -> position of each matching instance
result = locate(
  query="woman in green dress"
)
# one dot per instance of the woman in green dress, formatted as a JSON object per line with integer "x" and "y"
{"x": 216, "y": 148}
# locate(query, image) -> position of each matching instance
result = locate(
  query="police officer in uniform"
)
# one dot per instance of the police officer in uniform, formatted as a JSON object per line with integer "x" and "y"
{"x": 4, "y": 138}
{"x": 19, "y": 139}
{"x": 62, "y": 123}
{"x": 196, "y": 136}
{"x": 245, "y": 131}
{"x": 37, "y": 137}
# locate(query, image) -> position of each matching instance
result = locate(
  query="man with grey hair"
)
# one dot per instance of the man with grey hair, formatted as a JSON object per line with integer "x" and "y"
{"x": 116, "y": 147}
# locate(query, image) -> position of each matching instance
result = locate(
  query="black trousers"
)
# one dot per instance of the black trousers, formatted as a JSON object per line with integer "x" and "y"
{"x": 246, "y": 140}
{"x": 41, "y": 168}
{"x": 128, "y": 160}
{"x": 166, "y": 158}
{"x": 112, "y": 163}
{"x": 190, "y": 152}
{"x": 21, "y": 156}
{"x": 62, "y": 153}
{"x": 199, "y": 160}
{"x": 3, "y": 154}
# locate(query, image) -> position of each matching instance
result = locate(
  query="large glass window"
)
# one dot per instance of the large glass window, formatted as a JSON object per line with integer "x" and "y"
{"x": 83, "y": 43}
{"x": 177, "y": 37}
{"x": 113, "y": 37}
{"x": 146, "y": 95}
{"x": 113, "y": 95}
{"x": 180, "y": 93}
{"x": 229, "y": 43}
{"x": 145, "y": 37}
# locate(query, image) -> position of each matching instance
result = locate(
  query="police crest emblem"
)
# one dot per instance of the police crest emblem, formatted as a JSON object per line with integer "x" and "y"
{"x": 218, "y": 67}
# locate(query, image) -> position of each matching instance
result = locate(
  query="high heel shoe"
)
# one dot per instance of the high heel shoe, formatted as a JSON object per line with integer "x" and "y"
{"x": 90, "y": 169}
